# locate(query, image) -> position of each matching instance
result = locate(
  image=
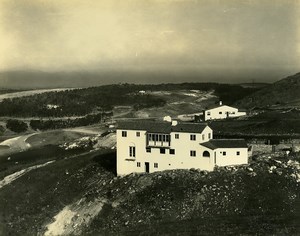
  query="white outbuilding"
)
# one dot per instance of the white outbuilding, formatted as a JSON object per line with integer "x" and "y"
{"x": 222, "y": 112}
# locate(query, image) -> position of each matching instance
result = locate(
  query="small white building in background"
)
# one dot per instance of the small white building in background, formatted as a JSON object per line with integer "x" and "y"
{"x": 149, "y": 146}
{"x": 222, "y": 112}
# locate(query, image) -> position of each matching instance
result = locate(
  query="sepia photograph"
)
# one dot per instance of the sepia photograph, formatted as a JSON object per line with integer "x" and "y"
{"x": 149, "y": 117}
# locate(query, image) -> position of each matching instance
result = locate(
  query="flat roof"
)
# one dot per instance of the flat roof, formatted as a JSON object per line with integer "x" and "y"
{"x": 161, "y": 126}
{"x": 225, "y": 143}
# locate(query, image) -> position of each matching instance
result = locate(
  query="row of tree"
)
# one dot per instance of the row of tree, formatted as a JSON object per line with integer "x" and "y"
{"x": 19, "y": 126}
{"x": 76, "y": 102}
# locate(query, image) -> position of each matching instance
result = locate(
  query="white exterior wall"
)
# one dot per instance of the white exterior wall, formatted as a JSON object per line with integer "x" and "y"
{"x": 125, "y": 163}
{"x": 227, "y": 111}
{"x": 167, "y": 161}
{"x": 180, "y": 160}
{"x": 231, "y": 157}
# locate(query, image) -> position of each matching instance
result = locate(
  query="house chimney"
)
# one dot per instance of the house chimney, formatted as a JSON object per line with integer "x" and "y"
{"x": 220, "y": 103}
{"x": 174, "y": 122}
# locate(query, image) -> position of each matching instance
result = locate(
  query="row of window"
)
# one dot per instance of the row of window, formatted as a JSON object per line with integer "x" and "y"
{"x": 164, "y": 137}
{"x": 155, "y": 165}
{"x": 193, "y": 137}
{"x": 172, "y": 152}
{"x": 220, "y": 112}
{"x": 159, "y": 137}
{"x": 224, "y": 153}
{"x": 124, "y": 134}
{"x": 162, "y": 150}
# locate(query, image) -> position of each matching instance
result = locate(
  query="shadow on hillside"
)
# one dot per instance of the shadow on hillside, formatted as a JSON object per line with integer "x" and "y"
{"x": 108, "y": 161}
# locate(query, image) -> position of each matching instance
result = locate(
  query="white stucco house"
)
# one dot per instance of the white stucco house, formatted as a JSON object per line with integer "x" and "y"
{"x": 149, "y": 146}
{"x": 222, "y": 112}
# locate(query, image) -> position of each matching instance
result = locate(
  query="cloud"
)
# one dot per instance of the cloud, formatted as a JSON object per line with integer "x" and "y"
{"x": 95, "y": 35}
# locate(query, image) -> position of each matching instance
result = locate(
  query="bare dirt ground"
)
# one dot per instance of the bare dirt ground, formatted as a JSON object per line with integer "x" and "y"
{"x": 16, "y": 144}
{"x": 73, "y": 217}
{"x": 109, "y": 141}
{"x": 85, "y": 130}
{"x": 180, "y": 104}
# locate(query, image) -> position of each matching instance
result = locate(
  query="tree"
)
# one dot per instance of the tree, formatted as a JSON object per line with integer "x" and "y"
{"x": 17, "y": 126}
{"x": 2, "y": 129}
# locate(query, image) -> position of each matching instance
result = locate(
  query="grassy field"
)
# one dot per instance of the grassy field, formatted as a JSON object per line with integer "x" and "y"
{"x": 55, "y": 137}
{"x": 272, "y": 122}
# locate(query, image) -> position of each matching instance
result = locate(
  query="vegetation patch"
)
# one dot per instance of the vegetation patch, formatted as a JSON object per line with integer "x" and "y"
{"x": 80, "y": 102}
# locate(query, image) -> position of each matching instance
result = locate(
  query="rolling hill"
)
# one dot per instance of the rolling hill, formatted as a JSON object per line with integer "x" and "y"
{"x": 80, "y": 195}
{"x": 284, "y": 92}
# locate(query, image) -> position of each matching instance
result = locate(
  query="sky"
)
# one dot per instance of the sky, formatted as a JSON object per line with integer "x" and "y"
{"x": 245, "y": 40}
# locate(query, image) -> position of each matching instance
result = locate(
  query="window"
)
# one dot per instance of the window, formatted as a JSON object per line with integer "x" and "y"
{"x": 209, "y": 135}
{"x": 138, "y": 134}
{"x": 162, "y": 151}
{"x": 138, "y": 164}
{"x": 177, "y": 136}
{"x": 193, "y": 137}
{"x": 206, "y": 154}
{"x": 208, "y": 113}
{"x": 124, "y": 133}
{"x": 132, "y": 151}
{"x": 193, "y": 153}
{"x": 155, "y": 165}
{"x": 224, "y": 153}
{"x": 203, "y": 136}
{"x": 148, "y": 149}
{"x": 237, "y": 153}
{"x": 220, "y": 112}
{"x": 172, "y": 151}
{"x": 159, "y": 137}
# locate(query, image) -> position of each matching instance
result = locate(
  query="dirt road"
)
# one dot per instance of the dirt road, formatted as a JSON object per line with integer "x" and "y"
{"x": 10, "y": 178}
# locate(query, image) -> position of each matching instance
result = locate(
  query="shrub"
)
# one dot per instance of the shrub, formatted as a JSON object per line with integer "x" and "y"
{"x": 2, "y": 129}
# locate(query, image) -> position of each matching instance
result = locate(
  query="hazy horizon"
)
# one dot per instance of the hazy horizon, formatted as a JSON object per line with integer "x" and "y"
{"x": 151, "y": 41}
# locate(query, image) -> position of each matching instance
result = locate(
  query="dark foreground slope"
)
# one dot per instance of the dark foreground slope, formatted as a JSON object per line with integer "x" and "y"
{"x": 284, "y": 92}
{"x": 262, "y": 198}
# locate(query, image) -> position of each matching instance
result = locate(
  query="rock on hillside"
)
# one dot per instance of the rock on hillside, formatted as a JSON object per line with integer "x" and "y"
{"x": 228, "y": 201}
{"x": 282, "y": 92}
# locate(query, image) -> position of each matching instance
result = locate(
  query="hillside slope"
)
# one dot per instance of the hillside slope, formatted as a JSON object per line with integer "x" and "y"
{"x": 82, "y": 196}
{"x": 284, "y": 92}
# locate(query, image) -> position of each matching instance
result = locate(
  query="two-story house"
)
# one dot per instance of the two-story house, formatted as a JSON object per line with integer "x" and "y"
{"x": 149, "y": 146}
